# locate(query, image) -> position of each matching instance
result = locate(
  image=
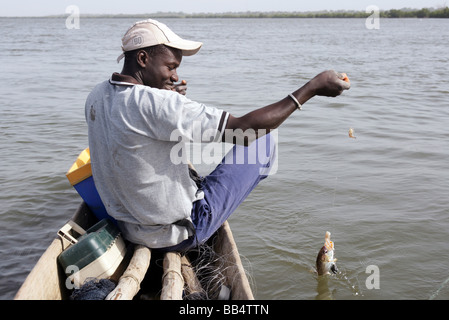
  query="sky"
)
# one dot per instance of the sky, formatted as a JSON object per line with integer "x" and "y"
{"x": 57, "y": 7}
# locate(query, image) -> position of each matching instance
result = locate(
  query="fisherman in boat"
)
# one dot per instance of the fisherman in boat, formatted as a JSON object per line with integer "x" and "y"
{"x": 138, "y": 119}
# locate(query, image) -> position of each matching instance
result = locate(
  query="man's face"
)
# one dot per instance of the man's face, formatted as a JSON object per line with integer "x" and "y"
{"x": 160, "y": 71}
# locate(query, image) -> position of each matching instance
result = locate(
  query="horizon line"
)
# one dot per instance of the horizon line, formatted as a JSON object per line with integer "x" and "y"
{"x": 181, "y": 14}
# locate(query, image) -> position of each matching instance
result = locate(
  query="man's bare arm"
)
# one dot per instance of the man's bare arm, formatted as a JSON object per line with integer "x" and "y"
{"x": 260, "y": 121}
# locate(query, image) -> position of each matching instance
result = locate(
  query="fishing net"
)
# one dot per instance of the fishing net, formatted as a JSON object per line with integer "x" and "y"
{"x": 209, "y": 268}
{"x": 94, "y": 289}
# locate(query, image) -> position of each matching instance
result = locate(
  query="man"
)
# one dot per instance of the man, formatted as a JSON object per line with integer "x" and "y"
{"x": 132, "y": 119}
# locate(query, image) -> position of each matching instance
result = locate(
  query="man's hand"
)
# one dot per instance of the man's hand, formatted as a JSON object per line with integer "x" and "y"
{"x": 329, "y": 83}
{"x": 181, "y": 87}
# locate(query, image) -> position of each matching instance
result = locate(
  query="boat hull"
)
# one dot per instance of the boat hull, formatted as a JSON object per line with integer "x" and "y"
{"x": 47, "y": 281}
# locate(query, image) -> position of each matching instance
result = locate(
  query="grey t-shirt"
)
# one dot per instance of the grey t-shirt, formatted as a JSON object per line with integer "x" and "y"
{"x": 133, "y": 130}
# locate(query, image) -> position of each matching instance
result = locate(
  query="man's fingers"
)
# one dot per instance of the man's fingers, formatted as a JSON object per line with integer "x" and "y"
{"x": 181, "y": 87}
{"x": 344, "y": 77}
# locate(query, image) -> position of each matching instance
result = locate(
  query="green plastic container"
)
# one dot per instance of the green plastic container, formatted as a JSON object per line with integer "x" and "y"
{"x": 97, "y": 253}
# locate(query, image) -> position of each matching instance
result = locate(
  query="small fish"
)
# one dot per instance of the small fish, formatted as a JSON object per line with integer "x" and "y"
{"x": 325, "y": 261}
{"x": 351, "y": 133}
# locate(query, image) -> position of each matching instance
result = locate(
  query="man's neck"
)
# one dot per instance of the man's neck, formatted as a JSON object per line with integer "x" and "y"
{"x": 124, "y": 78}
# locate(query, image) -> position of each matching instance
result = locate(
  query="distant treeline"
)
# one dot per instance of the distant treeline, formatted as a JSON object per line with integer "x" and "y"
{"x": 393, "y": 13}
{"x": 422, "y": 13}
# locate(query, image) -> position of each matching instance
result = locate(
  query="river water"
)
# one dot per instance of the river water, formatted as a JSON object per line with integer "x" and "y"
{"x": 383, "y": 195}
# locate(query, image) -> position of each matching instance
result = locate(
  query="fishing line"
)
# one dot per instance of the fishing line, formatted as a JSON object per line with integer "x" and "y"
{"x": 335, "y": 191}
{"x": 433, "y": 296}
{"x": 354, "y": 288}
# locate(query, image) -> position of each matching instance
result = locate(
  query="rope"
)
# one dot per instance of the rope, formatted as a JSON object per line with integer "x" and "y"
{"x": 174, "y": 271}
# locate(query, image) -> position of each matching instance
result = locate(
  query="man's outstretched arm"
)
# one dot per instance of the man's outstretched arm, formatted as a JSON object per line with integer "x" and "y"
{"x": 260, "y": 121}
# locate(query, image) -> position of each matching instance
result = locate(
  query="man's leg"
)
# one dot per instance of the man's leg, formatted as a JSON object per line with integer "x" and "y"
{"x": 227, "y": 186}
{"x": 231, "y": 182}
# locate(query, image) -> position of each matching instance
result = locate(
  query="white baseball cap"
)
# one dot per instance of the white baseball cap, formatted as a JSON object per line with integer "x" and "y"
{"x": 150, "y": 32}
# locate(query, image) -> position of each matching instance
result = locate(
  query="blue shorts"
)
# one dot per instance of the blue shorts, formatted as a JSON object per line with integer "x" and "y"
{"x": 227, "y": 187}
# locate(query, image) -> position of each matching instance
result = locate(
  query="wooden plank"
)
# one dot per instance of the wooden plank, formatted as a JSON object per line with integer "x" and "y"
{"x": 172, "y": 280}
{"x": 235, "y": 274}
{"x": 192, "y": 284}
{"x": 43, "y": 282}
{"x": 129, "y": 283}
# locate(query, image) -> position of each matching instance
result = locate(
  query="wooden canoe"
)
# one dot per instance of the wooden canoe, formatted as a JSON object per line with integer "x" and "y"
{"x": 143, "y": 274}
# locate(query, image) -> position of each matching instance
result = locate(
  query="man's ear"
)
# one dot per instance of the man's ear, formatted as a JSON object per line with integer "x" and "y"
{"x": 142, "y": 58}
